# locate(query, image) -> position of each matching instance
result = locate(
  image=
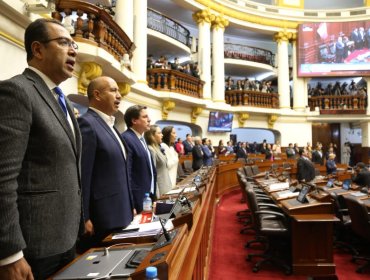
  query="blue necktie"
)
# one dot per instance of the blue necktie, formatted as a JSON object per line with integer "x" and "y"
{"x": 152, "y": 190}
{"x": 61, "y": 99}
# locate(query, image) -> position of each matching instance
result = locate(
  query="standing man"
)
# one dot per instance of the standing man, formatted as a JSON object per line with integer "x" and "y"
{"x": 305, "y": 168}
{"x": 142, "y": 172}
{"x": 107, "y": 199}
{"x": 188, "y": 144}
{"x": 40, "y": 147}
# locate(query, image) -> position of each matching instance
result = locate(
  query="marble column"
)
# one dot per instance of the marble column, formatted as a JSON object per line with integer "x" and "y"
{"x": 125, "y": 16}
{"x": 140, "y": 40}
{"x": 219, "y": 23}
{"x": 203, "y": 19}
{"x": 300, "y": 96}
{"x": 282, "y": 38}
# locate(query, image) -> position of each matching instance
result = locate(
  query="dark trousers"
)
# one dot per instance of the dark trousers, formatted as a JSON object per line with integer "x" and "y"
{"x": 46, "y": 267}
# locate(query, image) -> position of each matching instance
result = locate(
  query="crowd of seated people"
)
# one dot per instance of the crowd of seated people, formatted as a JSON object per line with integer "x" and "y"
{"x": 163, "y": 63}
{"x": 247, "y": 84}
{"x": 337, "y": 89}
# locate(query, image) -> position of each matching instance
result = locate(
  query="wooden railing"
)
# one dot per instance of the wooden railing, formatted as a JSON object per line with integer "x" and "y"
{"x": 249, "y": 53}
{"x": 175, "y": 81}
{"x": 252, "y": 98}
{"x": 333, "y": 104}
{"x": 98, "y": 28}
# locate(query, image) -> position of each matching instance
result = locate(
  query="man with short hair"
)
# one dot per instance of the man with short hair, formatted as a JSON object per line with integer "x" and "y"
{"x": 305, "y": 168}
{"x": 188, "y": 144}
{"x": 40, "y": 148}
{"x": 142, "y": 172}
{"x": 362, "y": 175}
{"x": 107, "y": 198}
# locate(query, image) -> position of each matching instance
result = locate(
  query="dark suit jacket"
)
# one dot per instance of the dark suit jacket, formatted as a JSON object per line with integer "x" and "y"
{"x": 363, "y": 178}
{"x": 197, "y": 153}
{"x": 241, "y": 153}
{"x": 188, "y": 148}
{"x": 139, "y": 169}
{"x": 107, "y": 199}
{"x": 316, "y": 158}
{"x": 40, "y": 201}
{"x": 305, "y": 170}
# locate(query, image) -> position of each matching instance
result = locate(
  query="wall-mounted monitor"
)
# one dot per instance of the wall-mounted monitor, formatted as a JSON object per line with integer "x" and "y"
{"x": 334, "y": 49}
{"x": 220, "y": 122}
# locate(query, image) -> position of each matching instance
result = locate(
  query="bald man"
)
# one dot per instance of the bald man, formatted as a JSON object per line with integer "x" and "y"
{"x": 107, "y": 199}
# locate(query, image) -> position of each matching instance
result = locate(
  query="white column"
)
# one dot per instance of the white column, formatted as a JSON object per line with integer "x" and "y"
{"x": 140, "y": 40}
{"x": 125, "y": 16}
{"x": 218, "y": 64}
{"x": 203, "y": 19}
{"x": 299, "y": 90}
{"x": 282, "y": 39}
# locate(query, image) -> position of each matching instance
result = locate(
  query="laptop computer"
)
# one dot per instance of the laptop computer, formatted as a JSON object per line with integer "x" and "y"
{"x": 347, "y": 184}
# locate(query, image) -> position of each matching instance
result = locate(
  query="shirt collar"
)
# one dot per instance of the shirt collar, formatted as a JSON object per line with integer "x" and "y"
{"x": 50, "y": 84}
{"x": 109, "y": 120}
{"x": 137, "y": 133}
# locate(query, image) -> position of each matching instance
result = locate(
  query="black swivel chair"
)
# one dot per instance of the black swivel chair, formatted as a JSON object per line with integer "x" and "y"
{"x": 360, "y": 224}
{"x": 271, "y": 228}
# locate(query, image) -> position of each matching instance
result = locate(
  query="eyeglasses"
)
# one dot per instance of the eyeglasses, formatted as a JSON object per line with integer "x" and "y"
{"x": 63, "y": 42}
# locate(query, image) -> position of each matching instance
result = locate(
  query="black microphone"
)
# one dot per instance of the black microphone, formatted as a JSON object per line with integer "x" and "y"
{"x": 187, "y": 202}
{"x": 165, "y": 232}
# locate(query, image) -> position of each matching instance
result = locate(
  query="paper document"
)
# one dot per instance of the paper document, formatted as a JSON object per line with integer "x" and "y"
{"x": 188, "y": 189}
{"x": 278, "y": 186}
{"x": 147, "y": 229}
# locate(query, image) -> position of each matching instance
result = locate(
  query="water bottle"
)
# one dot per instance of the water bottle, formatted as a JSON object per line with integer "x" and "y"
{"x": 151, "y": 273}
{"x": 147, "y": 204}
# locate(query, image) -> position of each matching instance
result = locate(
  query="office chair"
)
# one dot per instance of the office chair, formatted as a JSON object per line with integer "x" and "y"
{"x": 343, "y": 227}
{"x": 272, "y": 229}
{"x": 248, "y": 170}
{"x": 360, "y": 224}
{"x": 188, "y": 166}
{"x": 255, "y": 169}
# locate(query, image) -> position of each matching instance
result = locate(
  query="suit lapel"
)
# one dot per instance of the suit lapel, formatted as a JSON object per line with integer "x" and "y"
{"x": 108, "y": 130}
{"x": 49, "y": 99}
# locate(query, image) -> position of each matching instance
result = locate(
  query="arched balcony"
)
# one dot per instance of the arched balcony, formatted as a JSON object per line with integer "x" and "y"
{"x": 338, "y": 104}
{"x": 252, "y": 98}
{"x": 249, "y": 53}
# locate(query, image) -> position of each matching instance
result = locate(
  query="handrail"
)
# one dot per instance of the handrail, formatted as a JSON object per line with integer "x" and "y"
{"x": 168, "y": 26}
{"x": 338, "y": 102}
{"x": 249, "y": 53}
{"x": 175, "y": 81}
{"x": 252, "y": 98}
{"x": 98, "y": 29}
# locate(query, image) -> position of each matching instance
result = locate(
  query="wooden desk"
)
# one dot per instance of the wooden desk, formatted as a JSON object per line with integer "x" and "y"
{"x": 311, "y": 235}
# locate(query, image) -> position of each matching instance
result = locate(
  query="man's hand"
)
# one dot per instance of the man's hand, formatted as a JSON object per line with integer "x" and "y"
{"x": 89, "y": 228}
{"x": 19, "y": 270}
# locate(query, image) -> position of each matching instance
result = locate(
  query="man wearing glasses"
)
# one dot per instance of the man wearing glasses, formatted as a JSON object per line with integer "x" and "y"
{"x": 40, "y": 148}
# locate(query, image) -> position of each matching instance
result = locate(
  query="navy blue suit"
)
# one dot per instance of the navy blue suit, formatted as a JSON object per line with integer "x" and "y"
{"x": 107, "y": 199}
{"x": 139, "y": 169}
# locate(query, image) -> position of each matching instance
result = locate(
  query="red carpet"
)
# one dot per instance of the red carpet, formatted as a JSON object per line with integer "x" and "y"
{"x": 228, "y": 255}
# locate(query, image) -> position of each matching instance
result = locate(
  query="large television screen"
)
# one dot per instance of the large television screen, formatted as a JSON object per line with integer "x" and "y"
{"x": 220, "y": 122}
{"x": 334, "y": 49}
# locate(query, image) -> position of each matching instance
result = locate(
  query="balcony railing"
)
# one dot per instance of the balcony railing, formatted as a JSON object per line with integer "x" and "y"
{"x": 95, "y": 26}
{"x": 175, "y": 81}
{"x": 252, "y": 98}
{"x": 249, "y": 53}
{"x": 169, "y": 27}
{"x": 342, "y": 104}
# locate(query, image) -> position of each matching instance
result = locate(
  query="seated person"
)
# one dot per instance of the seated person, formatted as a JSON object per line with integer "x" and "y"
{"x": 331, "y": 167}
{"x": 305, "y": 168}
{"x": 362, "y": 175}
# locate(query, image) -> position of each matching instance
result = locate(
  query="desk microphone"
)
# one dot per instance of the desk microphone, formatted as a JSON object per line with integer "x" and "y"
{"x": 165, "y": 232}
{"x": 106, "y": 249}
{"x": 185, "y": 200}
